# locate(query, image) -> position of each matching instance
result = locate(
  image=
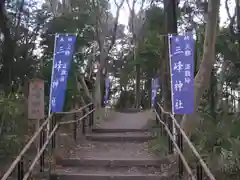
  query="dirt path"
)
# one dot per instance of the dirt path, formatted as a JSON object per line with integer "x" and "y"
{"x": 128, "y": 120}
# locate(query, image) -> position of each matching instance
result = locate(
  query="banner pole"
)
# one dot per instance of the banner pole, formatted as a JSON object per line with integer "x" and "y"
{"x": 171, "y": 74}
{"x": 50, "y": 94}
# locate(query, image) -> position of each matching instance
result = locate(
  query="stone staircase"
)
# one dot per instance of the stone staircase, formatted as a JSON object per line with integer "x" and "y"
{"x": 114, "y": 154}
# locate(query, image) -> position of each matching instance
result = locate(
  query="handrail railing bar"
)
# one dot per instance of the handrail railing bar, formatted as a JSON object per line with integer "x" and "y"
{"x": 24, "y": 150}
{"x": 74, "y": 111}
{"x": 203, "y": 164}
{"x": 178, "y": 150}
{"x": 159, "y": 119}
{"x": 78, "y": 120}
{"x": 201, "y": 161}
{"x": 31, "y": 141}
{"x": 40, "y": 153}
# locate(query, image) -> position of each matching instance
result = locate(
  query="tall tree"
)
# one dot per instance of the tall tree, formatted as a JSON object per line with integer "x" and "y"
{"x": 170, "y": 8}
{"x": 202, "y": 79}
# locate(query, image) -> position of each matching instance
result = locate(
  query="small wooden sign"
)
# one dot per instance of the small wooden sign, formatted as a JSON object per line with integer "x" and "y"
{"x": 36, "y": 99}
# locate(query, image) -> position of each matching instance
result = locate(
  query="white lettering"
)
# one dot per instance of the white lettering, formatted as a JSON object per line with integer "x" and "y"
{"x": 55, "y": 84}
{"x": 62, "y": 79}
{"x": 178, "y": 50}
{"x": 53, "y": 102}
{"x": 178, "y": 86}
{"x": 187, "y": 80}
{"x": 186, "y": 37}
{"x": 187, "y": 66}
{"x": 187, "y": 52}
{"x": 58, "y": 65}
{"x": 64, "y": 66}
{"x": 187, "y": 73}
{"x": 67, "y": 53}
{"x": 178, "y": 66}
{"x": 63, "y": 72}
{"x": 178, "y": 104}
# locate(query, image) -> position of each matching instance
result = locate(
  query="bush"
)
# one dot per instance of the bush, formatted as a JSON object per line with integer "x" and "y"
{"x": 218, "y": 141}
{"x": 13, "y": 126}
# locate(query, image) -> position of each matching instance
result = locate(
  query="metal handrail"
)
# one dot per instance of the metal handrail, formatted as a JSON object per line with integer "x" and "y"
{"x": 78, "y": 120}
{"x": 24, "y": 150}
{"x": 30, "y": 169}
{"x": 74, "y": 111}
{"x": 189, "y": 143}
{"x": 44, "y": 146}
{"x": 177, "y": 148}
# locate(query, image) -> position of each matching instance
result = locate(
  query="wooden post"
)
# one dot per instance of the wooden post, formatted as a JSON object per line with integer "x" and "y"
{"x": 36, "y": 103}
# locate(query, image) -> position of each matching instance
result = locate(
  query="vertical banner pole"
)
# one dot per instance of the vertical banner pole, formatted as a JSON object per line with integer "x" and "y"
{"x": 171, "y": 74}
{"x": 50, "y": 94}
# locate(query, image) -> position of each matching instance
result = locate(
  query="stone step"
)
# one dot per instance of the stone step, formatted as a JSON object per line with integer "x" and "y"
{"x": 110, "y": 162}
{"x": 120, "y": 137}
{"x": 110, "y": 173}
{"x": 109, "y": 151}
{"x": 105, "y": 130}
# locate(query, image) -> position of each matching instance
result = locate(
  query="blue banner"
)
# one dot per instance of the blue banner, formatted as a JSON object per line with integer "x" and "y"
{"x": 63, "y": 52}
{"x": 155, "y": 86}
{"x": 182, "y": 73}
{"x": 107, "y": 84}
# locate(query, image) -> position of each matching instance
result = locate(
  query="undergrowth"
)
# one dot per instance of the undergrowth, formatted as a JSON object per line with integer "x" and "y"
{"x": 218, "y": 141}
{"x": 159, "y": 144}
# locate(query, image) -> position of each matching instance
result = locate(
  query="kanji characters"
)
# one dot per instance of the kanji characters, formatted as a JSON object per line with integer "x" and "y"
{"x": 55, "y": 84}
{"x": 178, "y": 104}
{"x": 178, "y": 66}
{"x": 53, "y": 101}
{"x": 178, "y": 86}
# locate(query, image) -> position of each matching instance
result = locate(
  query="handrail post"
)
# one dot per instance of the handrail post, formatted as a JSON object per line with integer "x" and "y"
{"x": 20, "y": 170}
{"x": 199, "y": 171}
{"x": 75, "y": 127}
{"x": 89, "y": 116}
{"x": 84, "y": 122}
{"x": 158, "y": 111}
{"x": 53, "y": 124}
{"x": 163, "y": 118}
{"x": 165, "y": 122}
{"x": 42, "y": 140}
{"x": 180, "y": 145}
{"x": 170, "y": 127}
{"x": 92, "y": 114}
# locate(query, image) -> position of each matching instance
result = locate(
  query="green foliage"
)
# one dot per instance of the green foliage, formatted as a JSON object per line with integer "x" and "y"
{"x": 159, "y": 145}
{"x": 218, "y": 142}
{"x": 13, "y": 125}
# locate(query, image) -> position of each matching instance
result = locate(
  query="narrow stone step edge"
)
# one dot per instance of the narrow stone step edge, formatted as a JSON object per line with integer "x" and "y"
{"x": 77, "y": 176}
{"x": 143, "y": 138}
{"x": 106, "y": 130}
{"x": 74, "y": 162}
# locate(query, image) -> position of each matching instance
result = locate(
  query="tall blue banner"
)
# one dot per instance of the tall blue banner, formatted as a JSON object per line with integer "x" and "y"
{"x": 182, "y": 70}
{"x": 155, "y": 86}
{"x": 107, "y": 84}
{"x": 63, "y": 52}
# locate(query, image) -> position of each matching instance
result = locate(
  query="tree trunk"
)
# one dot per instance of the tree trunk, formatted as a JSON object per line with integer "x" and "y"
{"x": 170, "y": 7}
{"x": 211, "y": 94}
{"x": 220, "y": 85}
{"x": 149, "y": 91}
{"x": 138, "y": 91}
{"x": 189, "y": 122}
{"x": 98, "y": 95}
